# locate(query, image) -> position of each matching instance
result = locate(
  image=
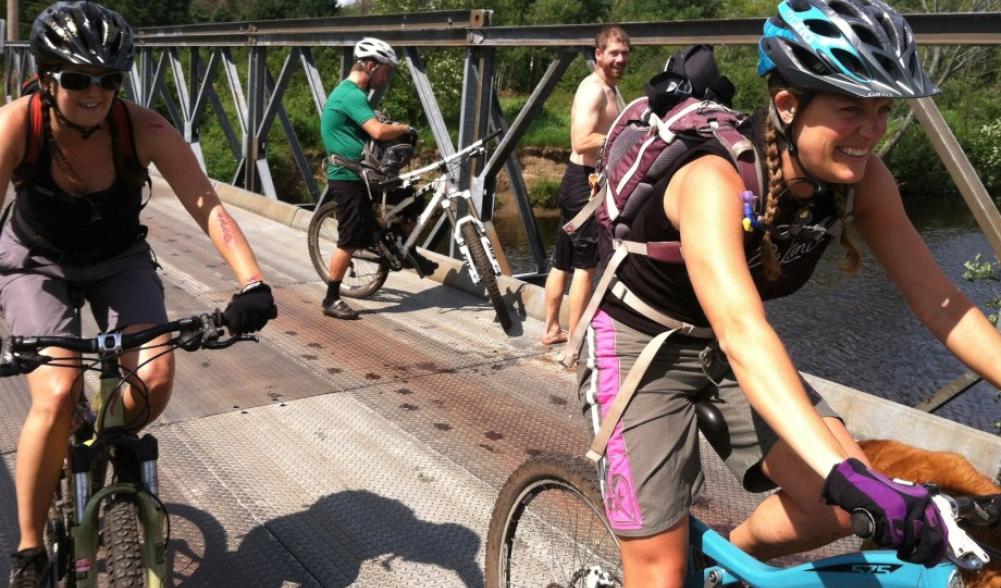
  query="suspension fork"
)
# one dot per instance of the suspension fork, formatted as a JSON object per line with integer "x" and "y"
{"x": 109, "y": 432}
{"x": 85, "y": 535}
{"x": 458, "y": 222}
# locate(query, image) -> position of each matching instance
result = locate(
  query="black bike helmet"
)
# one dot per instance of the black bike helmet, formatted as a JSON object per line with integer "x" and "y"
{"x": 863, "y": 48}
{"x": 82, "y": 33}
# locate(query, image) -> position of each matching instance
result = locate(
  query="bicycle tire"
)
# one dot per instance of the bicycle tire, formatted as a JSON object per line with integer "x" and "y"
{"x": 548, "y": 528}
{"x": 123, "y": 544}
{"x": 368, "y": 270}
{"x": 472, "y": 235}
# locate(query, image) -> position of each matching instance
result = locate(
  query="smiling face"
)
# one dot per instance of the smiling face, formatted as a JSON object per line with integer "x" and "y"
{"x": 87, "y": 107}
{"x": 612, "y": 59}
{"x": 836, "y": 134}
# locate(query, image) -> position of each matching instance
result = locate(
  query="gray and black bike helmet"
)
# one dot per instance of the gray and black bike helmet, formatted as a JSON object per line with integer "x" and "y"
{"x": 863, "y": 48}
{"x": 82, "y": 33}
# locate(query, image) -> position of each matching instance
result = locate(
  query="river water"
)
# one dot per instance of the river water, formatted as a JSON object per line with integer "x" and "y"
{"x": 856, "y": 329}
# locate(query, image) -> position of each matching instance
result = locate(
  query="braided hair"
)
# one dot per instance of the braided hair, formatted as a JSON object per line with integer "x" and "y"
{"x": 775, "y": 142}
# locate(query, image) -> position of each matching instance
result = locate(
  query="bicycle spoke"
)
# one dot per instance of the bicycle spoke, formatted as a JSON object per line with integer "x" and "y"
{"x": 560, "y": 540}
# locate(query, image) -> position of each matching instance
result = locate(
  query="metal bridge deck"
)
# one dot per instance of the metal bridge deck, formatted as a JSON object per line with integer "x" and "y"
{"x": 340, "y": 453}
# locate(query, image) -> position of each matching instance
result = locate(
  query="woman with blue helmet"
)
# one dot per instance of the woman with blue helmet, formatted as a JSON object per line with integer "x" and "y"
{"x": 834, "y": 69}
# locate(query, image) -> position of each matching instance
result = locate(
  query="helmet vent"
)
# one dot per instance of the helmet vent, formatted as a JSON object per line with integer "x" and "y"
{"x": 824, "y": 28}
{"x": 886, "y": 63}
{"x": 866, "y": 36}
{"x": 843, "y": 9}
{"x": 851, "y": 63}
{"x": 809, "y": 61}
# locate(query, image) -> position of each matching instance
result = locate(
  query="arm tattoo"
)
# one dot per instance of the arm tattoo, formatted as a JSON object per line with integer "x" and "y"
{"x": 227, "y": 227}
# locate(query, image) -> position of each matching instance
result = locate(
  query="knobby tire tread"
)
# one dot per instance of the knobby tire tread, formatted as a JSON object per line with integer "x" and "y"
{"x": 471, "y": 235}
{"x": 123, "y": 544}
{"x": 571, "y": 470}
{"x": 370, "y": 255}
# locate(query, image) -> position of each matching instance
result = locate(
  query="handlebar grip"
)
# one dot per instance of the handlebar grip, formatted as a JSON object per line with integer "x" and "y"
{"x": 8, "y": 369}
{"x": 863, "y": 523}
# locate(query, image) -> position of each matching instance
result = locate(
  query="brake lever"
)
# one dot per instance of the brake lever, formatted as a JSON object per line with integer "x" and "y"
{"x": 228, "y": 341}
{"x": 962, "y": 550}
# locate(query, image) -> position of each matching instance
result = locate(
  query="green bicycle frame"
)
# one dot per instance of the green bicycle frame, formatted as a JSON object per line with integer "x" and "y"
{"x": 110, "y": 410}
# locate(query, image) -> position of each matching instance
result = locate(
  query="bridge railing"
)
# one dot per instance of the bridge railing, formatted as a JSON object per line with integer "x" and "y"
{"x": 255, "y": 94}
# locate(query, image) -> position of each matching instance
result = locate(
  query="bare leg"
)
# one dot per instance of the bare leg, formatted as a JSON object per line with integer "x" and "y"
{"x": 580, "y": 294}
{"x": 42, "y": 445}
{"x": 796, "y": 518}
{"x": 339, "y": 263}
{"x": 146, "y": 399}
{"x": 658, "y": 560}
{"x": 556, "y": 283}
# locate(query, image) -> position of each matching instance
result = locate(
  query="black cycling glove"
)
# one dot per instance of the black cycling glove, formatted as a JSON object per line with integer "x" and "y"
{"x": 250, "y": 309}
{"x": 905, "y": 516}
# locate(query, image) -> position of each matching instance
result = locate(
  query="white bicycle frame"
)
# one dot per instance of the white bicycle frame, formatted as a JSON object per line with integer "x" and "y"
{"x": 446, "y": 195}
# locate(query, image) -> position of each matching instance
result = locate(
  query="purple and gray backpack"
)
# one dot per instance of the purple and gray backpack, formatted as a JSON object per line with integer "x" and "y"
{"x": 685, "y": 107}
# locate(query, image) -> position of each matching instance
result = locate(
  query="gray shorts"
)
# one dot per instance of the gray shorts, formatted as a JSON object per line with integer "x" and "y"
{"x": 41, "y": 297}
{"x": 652, "y": 472}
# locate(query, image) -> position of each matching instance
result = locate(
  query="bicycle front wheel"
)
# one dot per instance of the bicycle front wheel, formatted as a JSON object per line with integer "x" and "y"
{"x": 368, "y": 269}
{"x": 548, "y": 528}
{"x": 471, "y": 235}
{"x": 123, "y": 544}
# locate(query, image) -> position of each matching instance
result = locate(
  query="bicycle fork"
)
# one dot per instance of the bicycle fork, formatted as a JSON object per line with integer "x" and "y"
{"x": 471, "y": 217}
{"x": 112, "y": 435}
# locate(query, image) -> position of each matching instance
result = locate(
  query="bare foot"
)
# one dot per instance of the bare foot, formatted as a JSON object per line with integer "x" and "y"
{"x": 551, "y": 339}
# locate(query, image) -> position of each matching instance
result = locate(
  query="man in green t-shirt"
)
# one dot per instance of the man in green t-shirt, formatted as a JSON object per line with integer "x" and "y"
{"x": 348, "y": 121}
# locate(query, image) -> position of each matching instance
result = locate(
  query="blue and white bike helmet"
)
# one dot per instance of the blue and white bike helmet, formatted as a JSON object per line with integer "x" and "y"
{"x": 863, "y": 48}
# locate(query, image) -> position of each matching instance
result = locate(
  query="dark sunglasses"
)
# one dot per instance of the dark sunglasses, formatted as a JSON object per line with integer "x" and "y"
{"x": 78, "y": 81}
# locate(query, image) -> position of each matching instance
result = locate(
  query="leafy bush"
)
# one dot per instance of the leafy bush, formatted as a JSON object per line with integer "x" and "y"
{"x": 544, "y": 192}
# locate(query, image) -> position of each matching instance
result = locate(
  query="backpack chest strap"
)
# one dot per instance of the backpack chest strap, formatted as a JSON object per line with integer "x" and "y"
{"x": 666, "y": 251}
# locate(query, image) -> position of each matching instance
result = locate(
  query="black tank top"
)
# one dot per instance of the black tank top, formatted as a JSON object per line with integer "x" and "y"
{"x": 79, "y": 228}
{"x": 667, "y": 286}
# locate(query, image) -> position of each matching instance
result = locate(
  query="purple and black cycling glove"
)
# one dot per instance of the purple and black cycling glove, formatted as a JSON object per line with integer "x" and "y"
{"x": 904, "y": 515}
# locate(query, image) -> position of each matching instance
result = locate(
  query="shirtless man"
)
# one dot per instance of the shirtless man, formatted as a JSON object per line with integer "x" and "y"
{"x": 595, "y": 106}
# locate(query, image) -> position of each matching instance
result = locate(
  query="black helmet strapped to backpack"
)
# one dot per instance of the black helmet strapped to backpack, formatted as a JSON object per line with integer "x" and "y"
{"x": 82, "y": 33}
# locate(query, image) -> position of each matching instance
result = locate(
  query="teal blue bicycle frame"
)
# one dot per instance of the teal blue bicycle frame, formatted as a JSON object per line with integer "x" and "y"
{"x": 875, "y": 569}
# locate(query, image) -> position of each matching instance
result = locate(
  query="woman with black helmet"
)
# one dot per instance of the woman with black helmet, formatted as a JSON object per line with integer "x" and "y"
{"x": 78, "y": 156}
{"x": 834, "y": 69}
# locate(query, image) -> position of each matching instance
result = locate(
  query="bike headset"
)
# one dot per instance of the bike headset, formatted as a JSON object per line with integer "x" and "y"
{"x": 80, "y": 33}
{"x": 861, "y": 48}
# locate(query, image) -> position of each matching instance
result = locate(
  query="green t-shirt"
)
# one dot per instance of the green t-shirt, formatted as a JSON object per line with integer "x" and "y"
{"x": 346, "y": 110}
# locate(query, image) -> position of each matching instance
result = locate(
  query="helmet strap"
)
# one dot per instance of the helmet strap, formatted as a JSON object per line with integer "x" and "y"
{"x": 85, "y": 132}
{"x": 787, "y": 142}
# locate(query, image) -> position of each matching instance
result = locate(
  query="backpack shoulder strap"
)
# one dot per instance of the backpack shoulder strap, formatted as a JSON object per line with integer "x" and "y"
{"x": 36, "y": 130}
{"x": 121, "y": 126}
{"x": 743, "y": 154}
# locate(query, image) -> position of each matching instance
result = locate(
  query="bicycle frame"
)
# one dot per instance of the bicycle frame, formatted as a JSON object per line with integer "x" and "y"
{"x": 110, "y": 411}
{"x": 865, "y": 568}
{"x": 446, "y": 197}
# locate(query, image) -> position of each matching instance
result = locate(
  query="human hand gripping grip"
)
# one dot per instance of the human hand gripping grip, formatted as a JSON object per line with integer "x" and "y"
{"x": 901, "y": 515}
{"x": 250, "y": 309}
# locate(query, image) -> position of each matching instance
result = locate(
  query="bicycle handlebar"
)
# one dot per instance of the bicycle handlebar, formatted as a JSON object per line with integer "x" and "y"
{"x": 19, "y": 355}
{"x": 961, "y": 550}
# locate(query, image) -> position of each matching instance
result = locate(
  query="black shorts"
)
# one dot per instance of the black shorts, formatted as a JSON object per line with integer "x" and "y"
{"x": 353, "y": 209}
{"x": 579, "y": 251}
